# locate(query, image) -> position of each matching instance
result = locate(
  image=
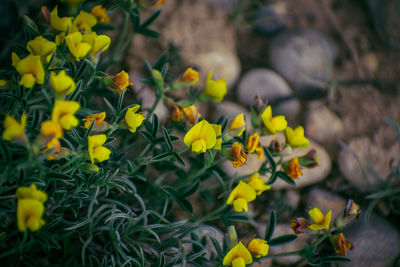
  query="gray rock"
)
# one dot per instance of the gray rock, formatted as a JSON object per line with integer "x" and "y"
{"x": 325, "y": 201}
{"x": 376, "y": 245}
{"x": 269, "y": 86}
{"x": 304, "y": 57}
{"x": 361, "y": 152}
{"x": 230, "y": 110}
{"x": 251, "y": 166}
{"x": 293, "y": 198}
{"x": 324, "y": 126}
{"x": 310, "y": 175}
{"x": 224, "y": 65}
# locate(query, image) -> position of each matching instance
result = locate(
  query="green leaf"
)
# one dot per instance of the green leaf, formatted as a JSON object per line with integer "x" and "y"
{"x": 161, "y": 156}
{"x": 155, "y": 125}
{"x": 280, "y": 240}
{"x": 273, "y": 178}
{"x": 76, "y": 92}
{"x": 120, "y": 100}
{"x": 30, "y": 24}
{"x": 178, "y": 158}
{"x": 161, "y": 61}
{"x": 217, "y": 246}
{"x": 270, "y": 159}
{"x": 270, "y": 227}
{"x": 185, "y": 204}
{"x": 88, "y": 131}
{"x": 110, "y": 106}
{"x": 146, "y": 136}
{"x": 190, "y": 190}
{"x": 285, "y": 178}
{"x": 148, "y": 33}
{"x": 151, "y": 19}
{"x": 161, "y": 260}
{"x": 167, "y": 139}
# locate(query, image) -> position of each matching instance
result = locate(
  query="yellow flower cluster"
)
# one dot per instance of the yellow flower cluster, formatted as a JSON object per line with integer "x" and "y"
{"x": 30, "y": 208}
{"x": 247, "y": 192}
{"x": 240, "y": 256}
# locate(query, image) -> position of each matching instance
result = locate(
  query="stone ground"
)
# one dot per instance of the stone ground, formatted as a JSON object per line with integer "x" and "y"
{"x": 336, "y": 58}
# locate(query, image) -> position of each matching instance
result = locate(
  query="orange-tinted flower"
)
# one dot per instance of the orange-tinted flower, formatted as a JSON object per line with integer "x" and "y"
{"x": 253, "y": 145}
{"x": 294, "y": 169}
{"x": 99, "y": 117}
{"x": 177, "y": 113}
{"x": 191, "y": 76}
{"x": 100, "y": 13}
{"x": 191, "y": 114}
{"x": 121, "y": 81}
{"x": 239, "y": 157}
{"x": 341, "y": 244}
{"x": 299, "y": 225}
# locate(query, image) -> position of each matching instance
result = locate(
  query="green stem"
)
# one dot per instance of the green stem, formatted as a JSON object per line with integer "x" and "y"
{"x": 158, "y": 98}
{"x": 212, "y": 216}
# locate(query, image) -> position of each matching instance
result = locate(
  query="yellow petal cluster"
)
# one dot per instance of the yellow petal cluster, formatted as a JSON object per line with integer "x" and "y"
{"x": 99, "y": 117}
{"x": 240, "y": 196}
{"x": 51, "y": 129}
{"x": 30, "y": 68}
{"x": 239, "y": 157}
{"x": 62, "y": 83}
{"x": 258, "y": 247}
{"x": 253, "y": 145}
{"x": 238, "y": 256}
{"x": 321, "y": 221}
{"x": 192, "y": 114}
{"x": 341, "y": 244}
{"x": 121, "y": 81}
{"x": 59, "y": 24}
{"x": 98, "y": 43}
{"x": 215, "y": 89}
{"x": 52, "y": 144}
{"x": 238, "y": 125}
{"x": 133, "y": 119}
{"x": 295, "y": 138}
{"x": 100, "y": 13}
{"x": 273, "y": 124}
{"x": 201, "y": 137}
{"x": 84, "y": 22}
{"x": 75, "y": 45}
{"x": 258, "y": 183}
{"x": 63, "y": 114}
{"x": 30, "y": 208}
{"x": 41, "y": 47}
{"x": 191, "y": 76}
{"x": 96, "y": 149}
{"x": 14, "y": 129}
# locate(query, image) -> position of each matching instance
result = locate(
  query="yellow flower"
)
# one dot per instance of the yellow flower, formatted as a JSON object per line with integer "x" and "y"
{"x": 100, "y": 13}
{"x": 63, "y": 113}
{"x": 133, "y": 119}
{"x": 96, "y": 149}
{"x": 54, "y": 143}
{"x": 84, "y": 22}
{"x": 59, "y": 24}
{"x": 62, "y": 83}
{"x": 51, "y": 129}
{"x": 30, "y": 68}
{"x": 253, "y": 145}
{"x": 260, "y": 152}
{"x": 341, "y": 244}
{"x": 99, "y": 117}
{"x": 75, "y": 45}
{"x": 191, "y": 76}
{"x": 240, "y": 195}
{"x": 295, "y": 137}
{"x": 273, "y": 124}
{"x": 29, "y": 214}
{"x": 321, "y": 221}
{"x": 13, "y": 129}
{"x": 218, "y": 132}
{"x": 238, "y": 124}
{"x": 99, "y": 43}
{"x": 121, "y": 81}
{"x": 31, "y": 192}
{"x": 239, "y": 157}
{"x": 215, "y": 89}
{"x": 201, "y": 137}
{"x": 192, "y": 114}
{"x": 238, "y": 256}
{"x": 258, "y": 247}
{"x": 294, "y": 169}
{"x": 41, "y": 47}
{"x": 30, "y": 208}
{"x": 257, "y": 183}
